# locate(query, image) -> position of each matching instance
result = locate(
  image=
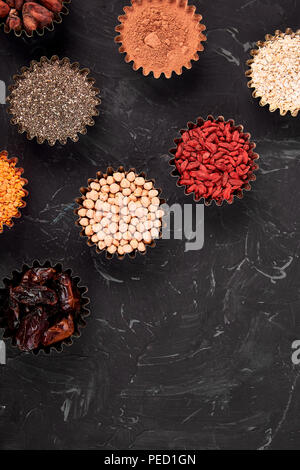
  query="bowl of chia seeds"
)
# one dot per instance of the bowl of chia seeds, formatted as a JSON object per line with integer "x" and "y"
{"x": 53, "y": 100}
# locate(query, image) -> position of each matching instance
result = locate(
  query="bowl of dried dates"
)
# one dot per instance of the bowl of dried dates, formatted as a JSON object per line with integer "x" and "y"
{"x": 43, "y": 307}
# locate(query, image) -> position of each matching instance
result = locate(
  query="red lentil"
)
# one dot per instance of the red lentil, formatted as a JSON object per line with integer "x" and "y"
{"x": 11, "y": 190}
{"x": 215, "y": 160}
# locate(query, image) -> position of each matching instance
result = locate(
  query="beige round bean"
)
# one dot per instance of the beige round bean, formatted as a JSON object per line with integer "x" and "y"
{"x": 101, "y": 235}
{"x": 153, "y": 193}
{"x": 84, "y": 222}
{"x": 113, "y": 228}
{"x": 125, "y": 183}
{"x": 121, "y": 251}
{"x": 141, "y": 246}
{"x": 88, "y": 203}
{"x": 108, "y": 240}
{"x": 103, "y": 181}
{"x": 126, "y": 191}
{"x": 140, "y": 227}
{"x": 118, "y": 176}
{"x": 123, "y": 227}
{"x": 138, "y": 236}
{"x": 154, "y": 233}
{"x": 147, "y": 237}
{"x": 103, "y": 196}
{"x": 90, "y": 213}
{"x": 111, "y": 249}
{"x": 82, "y": 212}
{"x": 110, "y": 180}
{"x": 89, "y": 231}
{"x": 101, "y": 245}
{"x": 114, "y": 188}
{"x": 97, "y": 227}
{"x": 145, "y": 201}
{"x": 134, "y": 244}
{"x": 139, "y": 181}
{"x": 127, "y": 248}
{"x": 138, "y": 192}
{"x": 95, "y": 186}
{"x": 131, "y": 176}
{"x": 148, "y": 185}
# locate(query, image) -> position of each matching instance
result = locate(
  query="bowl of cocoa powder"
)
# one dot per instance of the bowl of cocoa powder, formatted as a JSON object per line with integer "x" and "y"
{"x": 161, "y": 37}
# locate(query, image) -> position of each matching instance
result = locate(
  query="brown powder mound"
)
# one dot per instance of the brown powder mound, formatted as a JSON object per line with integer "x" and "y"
{"x": 161, "y": 36}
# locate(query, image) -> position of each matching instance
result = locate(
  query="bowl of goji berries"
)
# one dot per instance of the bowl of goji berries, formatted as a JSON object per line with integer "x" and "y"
{"x": 214, "y": 160}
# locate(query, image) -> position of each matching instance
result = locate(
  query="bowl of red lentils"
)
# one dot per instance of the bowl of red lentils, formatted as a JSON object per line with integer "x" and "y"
{"x": 12, "y": 190}
{"x": 120, "y": 213}
{"x": 214, "y": 160}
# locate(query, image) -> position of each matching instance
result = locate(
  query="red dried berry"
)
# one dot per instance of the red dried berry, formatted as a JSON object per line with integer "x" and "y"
{"x": 215, "y": 160}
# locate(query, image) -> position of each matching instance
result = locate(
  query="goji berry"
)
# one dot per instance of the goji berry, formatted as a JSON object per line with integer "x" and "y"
{"x": 215, "y": 160}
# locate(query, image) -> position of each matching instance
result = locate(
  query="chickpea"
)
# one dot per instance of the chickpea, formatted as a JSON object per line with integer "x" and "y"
{"x": 121, "y": 251}
{"x": 88, "y": 203}
{"x": 145, "y": 201}
{"x": 95, "y": 186}
{"x": 140, "y": 181}
{"x": 110, "y": 180}
{"x": 148, "y": 185}
{"x": 105, "y": 222}
{"x": 114, "y": 188}
{"x": 123, "y": 228}
{"x": 124, "y": 211}
{"x": 155, "y": 201}
{"x": 113, "y": 228}
{"x": 118, "y": 176}
{"x": 125, "y": 183}
{"x": 141, "y": 246}
{"x": 93, "y": 195}
{"x": 90, "y": 213}
{"x": 127, "y": 248}
{"x": 111, "y": 249}
{"x": 98, "y": 216}
{"x": 138, "y": 236}
{"x": 138, "y": 192}
{"x": 115, "y": 218}
{"x": 147, "y": 237}
{"x": 103, "y": 196}
{"x": 101, "y": 235}
{"x": 101, "y": 245}
{"x": 154, "y": 233}
{"x": 106, "y": 188}
{"x": 126, "y": 192}
{"x": 134, "y": 244}
{"x": 84, "y": 222}
{"x": 94, "y": 239}
{"x": 89, "y": 231}
{"x": 140, "y": 227}
{"x": 102, "y": 182}
{"x": 126, "y": 219}
{"x": 108, "y": 240}
{"x": 153, "y": 193}
{"x": 82, "y": 212}
{"x": 131, "y": 176}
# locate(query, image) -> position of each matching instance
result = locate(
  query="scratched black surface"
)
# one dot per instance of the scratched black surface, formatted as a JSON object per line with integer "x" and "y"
{"x": 183, "y": 350}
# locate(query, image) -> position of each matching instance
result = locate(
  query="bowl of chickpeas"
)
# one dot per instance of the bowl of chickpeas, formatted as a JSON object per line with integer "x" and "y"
{"x": 120, "y": 212}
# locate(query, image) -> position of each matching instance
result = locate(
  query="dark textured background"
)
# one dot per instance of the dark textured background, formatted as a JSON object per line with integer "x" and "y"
{"x": 182, "y": 350}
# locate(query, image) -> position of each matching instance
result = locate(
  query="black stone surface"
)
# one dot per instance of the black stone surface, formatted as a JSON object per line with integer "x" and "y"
{"x": 183, "y": 350}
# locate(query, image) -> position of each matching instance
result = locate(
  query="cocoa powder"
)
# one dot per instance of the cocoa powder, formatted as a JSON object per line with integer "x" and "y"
{"x": 161, "y": 36}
